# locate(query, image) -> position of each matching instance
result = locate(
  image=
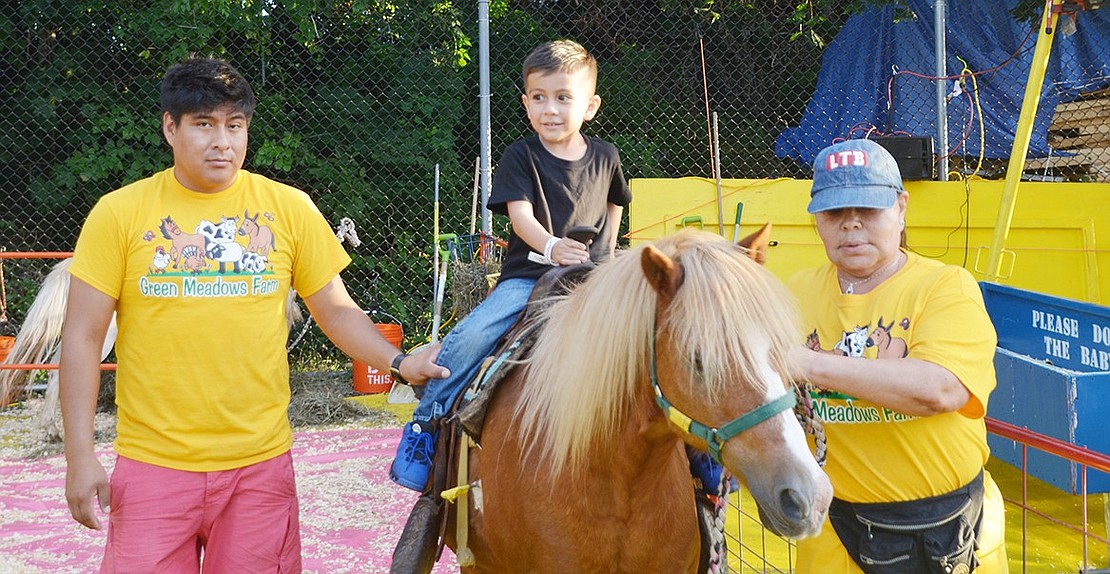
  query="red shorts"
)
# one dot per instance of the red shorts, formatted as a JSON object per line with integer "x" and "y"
{"x": 240, "y": 520}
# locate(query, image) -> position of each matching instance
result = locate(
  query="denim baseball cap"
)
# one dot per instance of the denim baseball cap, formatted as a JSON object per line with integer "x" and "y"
{"x": 854, "y": 173}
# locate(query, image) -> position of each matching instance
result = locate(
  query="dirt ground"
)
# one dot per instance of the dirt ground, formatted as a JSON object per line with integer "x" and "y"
{"x": 351, "y": 514}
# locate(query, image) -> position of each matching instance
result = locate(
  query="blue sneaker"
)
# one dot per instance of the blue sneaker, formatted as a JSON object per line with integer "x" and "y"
{"x": 708, "y": 472}
{"x": 413, "y": 464}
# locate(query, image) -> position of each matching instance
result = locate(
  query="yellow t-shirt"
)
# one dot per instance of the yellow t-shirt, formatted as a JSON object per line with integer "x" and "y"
{"x": 929, "y": 311}
{"x": 201, "y": 282}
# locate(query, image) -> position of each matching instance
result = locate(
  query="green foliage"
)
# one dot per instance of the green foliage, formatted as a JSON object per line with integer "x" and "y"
{"x": 87, "y": 84}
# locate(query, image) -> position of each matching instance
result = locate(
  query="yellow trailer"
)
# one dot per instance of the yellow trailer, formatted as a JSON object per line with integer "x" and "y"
{"x": 1052, "y": 247}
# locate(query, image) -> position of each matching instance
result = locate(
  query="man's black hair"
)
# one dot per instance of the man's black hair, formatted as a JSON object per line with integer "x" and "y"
{"x": 200, "y": 85}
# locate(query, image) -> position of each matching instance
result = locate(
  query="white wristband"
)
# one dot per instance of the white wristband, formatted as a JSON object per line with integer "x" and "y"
{"x": 547, "y": 250}
{"x": 545, "y": 259}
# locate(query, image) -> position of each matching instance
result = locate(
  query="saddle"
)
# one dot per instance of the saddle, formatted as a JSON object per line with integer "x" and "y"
{"x": 515, "y": 345}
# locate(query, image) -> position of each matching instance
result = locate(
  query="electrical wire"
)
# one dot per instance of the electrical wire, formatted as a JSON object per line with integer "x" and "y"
{"x": 964, "y": 224}
{"x": 991, "y": 70}
{"x": 982, "y": 124}
{"x": 973, "y": 97}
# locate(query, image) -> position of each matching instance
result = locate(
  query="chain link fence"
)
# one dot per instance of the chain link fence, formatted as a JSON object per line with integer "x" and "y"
{"x": 362, "y": 100}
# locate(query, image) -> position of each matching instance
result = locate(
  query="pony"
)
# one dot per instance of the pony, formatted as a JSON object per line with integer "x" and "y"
{"x": 39, "y": 341}
{"x": 582, "y": 465}
{"x": 886, "y": 345}
{"x": 188, "y": 249}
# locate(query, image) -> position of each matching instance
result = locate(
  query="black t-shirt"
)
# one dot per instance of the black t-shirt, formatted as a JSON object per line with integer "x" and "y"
{"x": 571, "y": 193}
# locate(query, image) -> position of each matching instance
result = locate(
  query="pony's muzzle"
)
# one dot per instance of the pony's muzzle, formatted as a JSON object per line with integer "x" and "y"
{"x": 797, "y": 513}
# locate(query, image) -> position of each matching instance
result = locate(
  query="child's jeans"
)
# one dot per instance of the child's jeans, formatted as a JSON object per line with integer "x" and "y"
{"x": 470, "y": 342}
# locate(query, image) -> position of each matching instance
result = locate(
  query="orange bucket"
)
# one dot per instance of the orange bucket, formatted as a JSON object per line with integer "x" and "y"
{"x": 6, "y": 346}
{"x": 368, "y": 379}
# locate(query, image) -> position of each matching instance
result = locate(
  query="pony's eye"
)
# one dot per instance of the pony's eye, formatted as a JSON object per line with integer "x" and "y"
{"x": 696, "y": 363}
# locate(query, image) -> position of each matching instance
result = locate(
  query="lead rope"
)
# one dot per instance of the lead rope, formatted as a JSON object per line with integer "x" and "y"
{"x": 811, "y": 423}
{"x": 718, "y": 556}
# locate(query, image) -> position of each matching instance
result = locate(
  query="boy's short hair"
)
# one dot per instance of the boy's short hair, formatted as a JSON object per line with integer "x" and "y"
{"x": 200, "y": 85}
{"x": 559, "y": 56}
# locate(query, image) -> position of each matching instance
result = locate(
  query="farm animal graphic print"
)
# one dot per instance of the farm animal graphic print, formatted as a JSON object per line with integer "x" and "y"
{"x": 883, "y": 340}
{"x": 212, "y": 260}
{"x": 855, "y": 343}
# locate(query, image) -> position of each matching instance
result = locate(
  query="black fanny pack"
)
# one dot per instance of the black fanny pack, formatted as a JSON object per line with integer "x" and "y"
{"x": 935, "y": 535}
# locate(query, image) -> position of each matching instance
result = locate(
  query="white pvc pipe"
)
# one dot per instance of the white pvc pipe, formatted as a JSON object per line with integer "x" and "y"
{"x": 940, "y": 22}
{"x": 483, "y": 111}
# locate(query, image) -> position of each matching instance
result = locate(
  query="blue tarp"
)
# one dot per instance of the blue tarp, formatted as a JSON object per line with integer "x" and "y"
{"x": 858, "y": 66}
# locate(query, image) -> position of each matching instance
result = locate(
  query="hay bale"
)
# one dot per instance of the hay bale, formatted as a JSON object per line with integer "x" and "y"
{"x": 469, "y": 283}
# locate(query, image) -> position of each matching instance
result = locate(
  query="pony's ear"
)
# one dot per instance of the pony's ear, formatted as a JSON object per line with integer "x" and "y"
{"x": 756, "y": 243}
{"x": 664, "y": 275}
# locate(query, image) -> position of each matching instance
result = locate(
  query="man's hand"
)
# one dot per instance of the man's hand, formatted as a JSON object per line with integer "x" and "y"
{"x": 420, "y": 366}
{"x": 86, "y": 488}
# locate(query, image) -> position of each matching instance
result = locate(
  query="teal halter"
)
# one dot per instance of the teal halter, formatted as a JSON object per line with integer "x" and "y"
{"x": 716, "y": 437}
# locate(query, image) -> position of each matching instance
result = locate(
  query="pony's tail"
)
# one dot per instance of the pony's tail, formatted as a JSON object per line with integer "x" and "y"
{"x": 40, "y": 335}
{"x": 293, "y": 314}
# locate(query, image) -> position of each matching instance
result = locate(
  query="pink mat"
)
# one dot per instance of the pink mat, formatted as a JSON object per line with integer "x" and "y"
{"x": 351, "y": 514}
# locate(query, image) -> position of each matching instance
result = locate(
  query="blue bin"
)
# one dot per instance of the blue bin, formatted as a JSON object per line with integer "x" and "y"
{"x": 1053, "y": 368}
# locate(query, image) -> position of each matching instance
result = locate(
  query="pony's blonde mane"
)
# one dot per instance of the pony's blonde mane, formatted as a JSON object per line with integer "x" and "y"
{"x": 587, "y": 362}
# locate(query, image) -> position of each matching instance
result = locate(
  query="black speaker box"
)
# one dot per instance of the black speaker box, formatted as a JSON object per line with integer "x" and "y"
{"x": 913, "y": 154}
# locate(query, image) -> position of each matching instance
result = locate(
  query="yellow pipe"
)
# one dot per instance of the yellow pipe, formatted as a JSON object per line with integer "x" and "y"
{"x": 1021, "y": 139}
